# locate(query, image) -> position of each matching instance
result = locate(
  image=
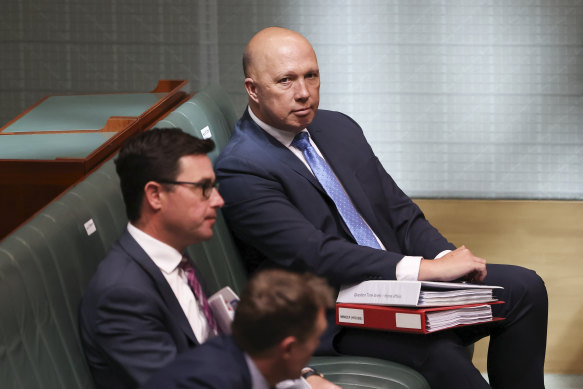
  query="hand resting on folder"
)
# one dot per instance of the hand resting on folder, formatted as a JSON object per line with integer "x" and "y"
{"x": 458, "y": 264}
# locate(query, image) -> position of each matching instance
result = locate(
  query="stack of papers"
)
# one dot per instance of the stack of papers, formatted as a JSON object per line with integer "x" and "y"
{"x": 440, "y": 320}
{"x": 433, "y": 298}
{"x": 414, "y": 306}
{"x": 416, "y": 293}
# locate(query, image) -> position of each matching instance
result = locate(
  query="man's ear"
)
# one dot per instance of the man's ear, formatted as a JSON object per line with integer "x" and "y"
{"x": 287, "y": 346}
{"x": 152, "y": 195}
{"x": 251, "y": 89}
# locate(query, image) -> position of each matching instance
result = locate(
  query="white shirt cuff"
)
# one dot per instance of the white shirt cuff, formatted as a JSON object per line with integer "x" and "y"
{"x": 442, "y": 254}
{"x": 408, "y": 267}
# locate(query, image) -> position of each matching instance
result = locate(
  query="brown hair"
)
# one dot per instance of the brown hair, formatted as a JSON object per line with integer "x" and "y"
{"x": 150, "y": 156}
{"x": 276, "y": 304}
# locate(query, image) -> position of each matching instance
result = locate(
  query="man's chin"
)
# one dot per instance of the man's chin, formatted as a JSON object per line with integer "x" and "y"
{"x": 303, "y": 121}
{"x": 207, "y": 236}
{"x": 200, "y": 236}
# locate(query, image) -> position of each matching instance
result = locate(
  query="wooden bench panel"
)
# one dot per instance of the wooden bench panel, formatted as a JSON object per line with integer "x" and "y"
{"x": 546, "y": 236}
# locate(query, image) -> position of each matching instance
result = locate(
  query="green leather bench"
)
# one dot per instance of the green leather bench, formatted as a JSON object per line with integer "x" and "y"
{"x": 46, "y": 265}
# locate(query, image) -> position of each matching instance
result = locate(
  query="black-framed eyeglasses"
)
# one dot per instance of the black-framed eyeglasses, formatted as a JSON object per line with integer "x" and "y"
{"x": 207, "y": 186}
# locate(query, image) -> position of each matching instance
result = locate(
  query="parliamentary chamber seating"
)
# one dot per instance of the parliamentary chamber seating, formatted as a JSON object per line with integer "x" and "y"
{"x": 46, "y": 264}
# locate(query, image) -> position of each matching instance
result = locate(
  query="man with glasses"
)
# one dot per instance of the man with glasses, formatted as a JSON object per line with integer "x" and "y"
{"x": 145, "y": 304}
{"x": 140, "y": 309}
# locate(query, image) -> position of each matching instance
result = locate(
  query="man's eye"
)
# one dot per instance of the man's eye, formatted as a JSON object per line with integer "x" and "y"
{"x": 284, "y": 80}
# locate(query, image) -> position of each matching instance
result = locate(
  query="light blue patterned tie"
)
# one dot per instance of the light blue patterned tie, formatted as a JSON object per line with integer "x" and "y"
{"x": 361, "y": 232}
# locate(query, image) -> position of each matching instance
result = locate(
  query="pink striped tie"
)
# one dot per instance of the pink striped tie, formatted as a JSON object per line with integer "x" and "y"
{"x": 199, "y": 294}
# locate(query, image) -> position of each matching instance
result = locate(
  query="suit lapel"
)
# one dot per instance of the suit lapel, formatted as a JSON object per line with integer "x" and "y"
{"x": 139, "y": 255}
{"x": 268, "y": 144}
{"x": 333, "y": 152}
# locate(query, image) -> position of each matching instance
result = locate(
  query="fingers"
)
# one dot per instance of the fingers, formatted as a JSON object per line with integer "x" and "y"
{"x": 482, "y": 274}
{"x": 476, "y": 276}
{"x": 476, "y": 265}
{"x": 461, "y": 263}
{"x": 464, "y": 253}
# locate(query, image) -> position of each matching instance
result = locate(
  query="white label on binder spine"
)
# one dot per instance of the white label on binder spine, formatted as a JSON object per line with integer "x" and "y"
{"x": 408, "y": 320}
{"x": 349, "y": 315}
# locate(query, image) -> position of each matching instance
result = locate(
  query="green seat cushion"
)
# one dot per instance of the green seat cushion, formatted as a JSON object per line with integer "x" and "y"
{"x": 362, "y": 372}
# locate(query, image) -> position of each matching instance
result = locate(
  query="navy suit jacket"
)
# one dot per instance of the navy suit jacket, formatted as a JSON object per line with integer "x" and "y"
{"x": 283, "y": 217}
{"x": 218, "y": 363}
{"x": 130, "y": 321}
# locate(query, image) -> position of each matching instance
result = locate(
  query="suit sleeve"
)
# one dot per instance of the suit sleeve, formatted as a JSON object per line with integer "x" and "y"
{"x": 132, "y": 334}
{"x": 215, "y": 364}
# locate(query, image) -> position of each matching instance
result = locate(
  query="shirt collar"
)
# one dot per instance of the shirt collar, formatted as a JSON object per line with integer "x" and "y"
{"x": 284, "y": 137}
{"x": 257, "y": 379}
{"x": 167, "y": 258}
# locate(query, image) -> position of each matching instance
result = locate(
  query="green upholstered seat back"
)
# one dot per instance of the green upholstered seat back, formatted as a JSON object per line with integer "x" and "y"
{"x": 45, "y": 267}
{"x": 203, "y": 116}
{"x": 225, "y": 104}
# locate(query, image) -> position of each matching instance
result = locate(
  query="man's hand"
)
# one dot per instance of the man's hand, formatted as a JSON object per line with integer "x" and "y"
{"x": 458, "y": 264}
{"x": 317, "y": 382}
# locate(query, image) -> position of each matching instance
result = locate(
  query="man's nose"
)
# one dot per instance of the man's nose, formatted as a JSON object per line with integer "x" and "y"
{"x": 217, "y": 200}
{"x": 302, "y": 93}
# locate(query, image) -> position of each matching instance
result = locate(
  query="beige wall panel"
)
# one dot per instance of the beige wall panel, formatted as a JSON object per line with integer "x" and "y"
{"x": 546, "y": 236}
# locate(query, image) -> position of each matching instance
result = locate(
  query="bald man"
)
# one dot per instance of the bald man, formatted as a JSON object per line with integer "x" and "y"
{"x": 304, "y": 191}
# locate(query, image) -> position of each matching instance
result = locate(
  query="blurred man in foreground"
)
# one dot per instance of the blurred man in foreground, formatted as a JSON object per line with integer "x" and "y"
{"x": 277, "y": 327}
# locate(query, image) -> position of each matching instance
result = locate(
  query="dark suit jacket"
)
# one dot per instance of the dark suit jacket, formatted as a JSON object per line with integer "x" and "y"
{"x": 130, "y": 321}
{"x": 218, "y": 363}
{"x": 275, "y": 205}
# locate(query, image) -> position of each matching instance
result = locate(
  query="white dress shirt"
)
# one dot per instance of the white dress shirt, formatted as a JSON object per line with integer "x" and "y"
{"x": 408, "y": 266}
{"x": 167, "y": 259}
